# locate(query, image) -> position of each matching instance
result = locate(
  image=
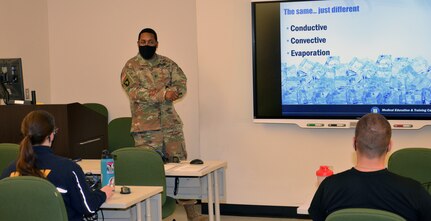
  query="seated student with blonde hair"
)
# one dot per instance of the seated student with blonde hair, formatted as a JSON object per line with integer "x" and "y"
{"x": 36, "y": 158}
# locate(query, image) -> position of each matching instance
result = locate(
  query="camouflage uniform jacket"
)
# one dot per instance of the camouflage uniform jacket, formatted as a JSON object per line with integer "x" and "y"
{"x": 146, "y": 83}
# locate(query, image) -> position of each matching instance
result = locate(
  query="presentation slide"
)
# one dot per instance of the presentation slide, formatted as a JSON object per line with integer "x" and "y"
{"x": 373, "y": 53}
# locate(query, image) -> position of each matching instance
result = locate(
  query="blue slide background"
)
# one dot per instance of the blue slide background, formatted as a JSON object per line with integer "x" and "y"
{"x": 378, "y": 54}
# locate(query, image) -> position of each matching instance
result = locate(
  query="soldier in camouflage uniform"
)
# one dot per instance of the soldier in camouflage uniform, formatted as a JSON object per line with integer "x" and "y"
{"x": 153, "y": 82}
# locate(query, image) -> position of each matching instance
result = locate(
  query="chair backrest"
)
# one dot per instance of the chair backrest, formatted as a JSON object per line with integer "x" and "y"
{"x": 119, "y": 133}
{"x": 363, "y": 214}
{"x": 99, "y": 108}
{"x": 414, "y": 163}
{"x": 26, "y": 198}
{"x": 140, "y": 167}
{"x": 8, "y": 153}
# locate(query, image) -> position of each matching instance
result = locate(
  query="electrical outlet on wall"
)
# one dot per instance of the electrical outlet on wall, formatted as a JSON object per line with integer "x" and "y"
{"x": 27, "y": 94}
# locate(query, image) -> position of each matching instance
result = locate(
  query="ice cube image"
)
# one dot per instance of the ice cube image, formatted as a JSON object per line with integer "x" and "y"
{"x": 414, "y": 97}
{"x": 426, "y": 96}
{"x": 332, "y": 61}
{"x": 384, "y": 63}
{"x": 322, "y": 90}
{"x": 353, "y": 95}
{"x": 305, "y": 71}
{"x": 303, "y": 95}
{"x": 419, "y": 65}
{"x": 372, "y": 96}
{"x": 399, "y": 64}
{"x": 401, "y": 80}
{"x": 289, "y": 84}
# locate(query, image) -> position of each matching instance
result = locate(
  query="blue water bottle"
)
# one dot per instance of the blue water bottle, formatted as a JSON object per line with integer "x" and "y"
{"x": 107, "y": 169}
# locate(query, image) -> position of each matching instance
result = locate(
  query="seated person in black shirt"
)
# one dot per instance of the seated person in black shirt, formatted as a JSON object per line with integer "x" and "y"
{"x": 36, "y": 158}
{"x": 369, "y": 184}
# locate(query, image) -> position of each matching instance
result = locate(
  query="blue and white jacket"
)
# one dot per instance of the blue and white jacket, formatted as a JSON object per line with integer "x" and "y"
{"x": 69, "y": 179}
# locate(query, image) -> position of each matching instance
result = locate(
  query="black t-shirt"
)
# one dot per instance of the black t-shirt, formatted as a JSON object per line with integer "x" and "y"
{"x": 376, "y": 190}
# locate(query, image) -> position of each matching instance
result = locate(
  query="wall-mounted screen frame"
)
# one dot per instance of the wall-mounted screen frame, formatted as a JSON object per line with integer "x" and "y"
{"x": 321, "y": 61}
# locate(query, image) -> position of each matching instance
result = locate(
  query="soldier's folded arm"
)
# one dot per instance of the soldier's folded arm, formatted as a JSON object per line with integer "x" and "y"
{"x": 143, "y": 95}
{"x": 138, "y": 93}
{"x": 179, "y": 81}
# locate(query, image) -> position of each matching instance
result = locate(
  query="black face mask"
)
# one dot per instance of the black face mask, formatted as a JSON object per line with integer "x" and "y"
{"x": 147, "y": 52}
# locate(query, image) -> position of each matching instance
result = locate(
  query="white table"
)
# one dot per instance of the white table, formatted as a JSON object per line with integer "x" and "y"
{"x": 195, "y": 181}
{"x": 205, "y": 181}
{"x": 90, "y": 166}
{"x": 303, "y": 208}
{"x": 148, "y": 196}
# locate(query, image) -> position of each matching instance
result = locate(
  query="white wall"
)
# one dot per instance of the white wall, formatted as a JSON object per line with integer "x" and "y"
{"x": 24, "y": 34}
{"x": 89, "y": 42}
{"x": 268, "y": 164}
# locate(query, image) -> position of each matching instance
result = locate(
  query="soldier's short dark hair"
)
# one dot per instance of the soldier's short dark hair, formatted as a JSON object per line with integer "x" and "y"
{"x": 148, "y": 30}
{"x": 373, "y": 135}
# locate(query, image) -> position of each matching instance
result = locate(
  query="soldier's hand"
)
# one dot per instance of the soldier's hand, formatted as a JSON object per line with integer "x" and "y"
{"x": 171, "y": 95}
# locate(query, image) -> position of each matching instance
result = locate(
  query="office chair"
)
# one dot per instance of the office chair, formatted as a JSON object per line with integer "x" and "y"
{"x": 142, "y": 167}
{"x": 414, "y": 163}
{"x": 99, "y": 108}
{"x": 363, "y": 214}
{"x": 119, "y": 133}
{"x": 26, "y": 198}
{"x": 8, "y": 153}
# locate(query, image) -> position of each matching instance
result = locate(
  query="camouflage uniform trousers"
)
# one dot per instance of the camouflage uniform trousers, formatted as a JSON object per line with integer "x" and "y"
{"x": 167, "y": 141}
